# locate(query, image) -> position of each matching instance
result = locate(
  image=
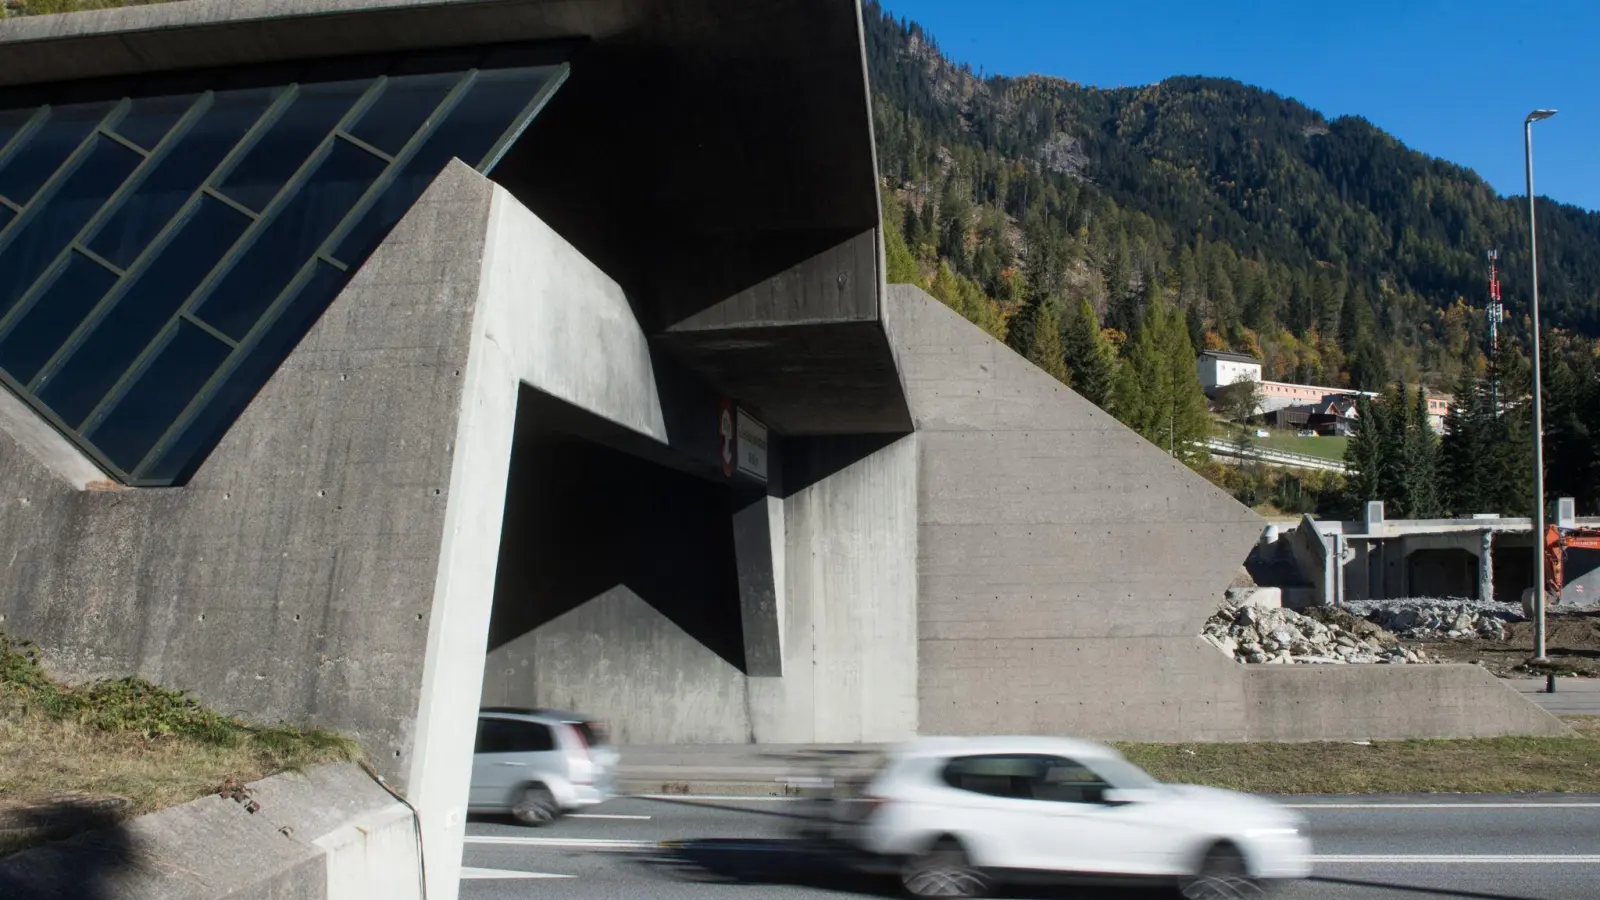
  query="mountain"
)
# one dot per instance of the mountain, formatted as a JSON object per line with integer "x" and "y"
{"x": 1326, "y": 246}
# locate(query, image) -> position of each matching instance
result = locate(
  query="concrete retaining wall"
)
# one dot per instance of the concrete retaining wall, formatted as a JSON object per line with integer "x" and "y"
{"x": 1066, "y": 566}
{"x": 330, "y": 834}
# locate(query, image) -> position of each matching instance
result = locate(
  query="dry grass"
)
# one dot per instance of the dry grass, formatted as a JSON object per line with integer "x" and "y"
{"x": 1489, "y": 766}
{"x": 129, "y": 739}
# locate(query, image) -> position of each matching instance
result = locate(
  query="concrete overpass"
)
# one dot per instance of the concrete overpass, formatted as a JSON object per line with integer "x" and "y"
{"x": 538, "y": 351}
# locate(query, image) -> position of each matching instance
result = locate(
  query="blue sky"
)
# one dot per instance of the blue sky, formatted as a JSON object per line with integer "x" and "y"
{"x": 1452, "y": 78}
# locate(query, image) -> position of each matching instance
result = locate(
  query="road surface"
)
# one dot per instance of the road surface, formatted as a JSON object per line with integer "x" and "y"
{"x": 1478, "y": 848}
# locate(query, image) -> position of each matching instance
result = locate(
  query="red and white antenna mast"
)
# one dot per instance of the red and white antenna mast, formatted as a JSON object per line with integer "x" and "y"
{"x": 1496, "y": 314}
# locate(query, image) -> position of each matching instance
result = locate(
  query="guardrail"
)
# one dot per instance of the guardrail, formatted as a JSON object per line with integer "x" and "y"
{"x": 1222, "y": 447}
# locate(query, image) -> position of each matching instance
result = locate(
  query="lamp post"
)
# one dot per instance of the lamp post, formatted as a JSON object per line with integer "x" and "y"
{"x": 1538, "y": 399}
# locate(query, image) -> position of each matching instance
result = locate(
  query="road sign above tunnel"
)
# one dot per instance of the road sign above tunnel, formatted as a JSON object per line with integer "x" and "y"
{"x": 752, "y": 446}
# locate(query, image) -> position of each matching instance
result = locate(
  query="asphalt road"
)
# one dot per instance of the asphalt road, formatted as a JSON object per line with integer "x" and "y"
{"x": 1478, "y": 848}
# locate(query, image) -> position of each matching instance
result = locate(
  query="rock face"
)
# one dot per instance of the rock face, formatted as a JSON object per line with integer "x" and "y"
{"x": 1432, "y": 619}
{"x": 1284, "y": 637}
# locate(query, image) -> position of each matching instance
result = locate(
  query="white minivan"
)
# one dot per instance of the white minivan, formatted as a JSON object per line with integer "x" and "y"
{"x": 537, "y": 764}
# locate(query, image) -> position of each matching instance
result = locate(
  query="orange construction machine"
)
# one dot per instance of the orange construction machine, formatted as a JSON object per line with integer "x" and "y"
{"x": 1557, "y": 541}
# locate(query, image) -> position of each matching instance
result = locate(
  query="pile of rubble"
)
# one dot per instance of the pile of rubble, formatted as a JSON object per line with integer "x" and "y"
{"x": 1422, "y": 618}
{"x": 1326, "y": 636}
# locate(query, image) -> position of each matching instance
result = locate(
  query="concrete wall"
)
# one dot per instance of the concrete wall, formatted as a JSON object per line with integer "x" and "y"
{"x": 850, "y": 623}
{"x": 1066, "y": 566}
{"x": 330, "y": 834}
{"x": 1065, "y": 563}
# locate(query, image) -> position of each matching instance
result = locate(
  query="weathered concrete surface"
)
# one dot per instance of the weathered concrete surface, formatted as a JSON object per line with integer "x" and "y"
{"x": 330, "y": 834}
{"x": 1066, "y": 566}
{"x": 292, "y": 578}
{"x": 1385, "y": 702}
{"x": 1065, "y": 563}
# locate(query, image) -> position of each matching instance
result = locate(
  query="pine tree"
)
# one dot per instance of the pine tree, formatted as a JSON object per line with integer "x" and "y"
{"x": 1464, "y": 454}
{"x": 1190, "y": 420}
{"x": 1364, "y": 455}
{"x": 1156, "y": 392}
{"x": 1089, "y": 356}
{"x": 1044, "y": 350}
{"x": 900, "y": 265}
{"x": 1419, "y": 464}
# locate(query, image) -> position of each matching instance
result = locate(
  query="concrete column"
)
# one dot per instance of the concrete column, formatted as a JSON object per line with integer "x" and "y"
{"x": 1486, "y": 565}
{"x": 758, "y": 591}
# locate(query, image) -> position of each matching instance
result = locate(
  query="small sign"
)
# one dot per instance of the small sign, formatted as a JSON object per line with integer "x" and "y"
{"x": 752, "y": 447}
{"x": 726, "y": 437}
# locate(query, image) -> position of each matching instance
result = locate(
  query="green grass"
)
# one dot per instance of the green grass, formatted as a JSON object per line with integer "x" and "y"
{"x": 128, "y": 738}
{"x": 1285, "y": 441}
{"x": 1487, "y": 765}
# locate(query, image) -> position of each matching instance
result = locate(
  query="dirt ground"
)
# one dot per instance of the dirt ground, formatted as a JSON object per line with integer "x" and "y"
{"x": 1572, "y": 642}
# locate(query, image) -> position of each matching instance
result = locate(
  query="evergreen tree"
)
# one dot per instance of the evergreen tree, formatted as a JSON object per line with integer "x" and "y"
{"x": 1044, "y": 350}
{"x": 1364, "y": 455}
{"x": 1464, "y": 452}
{"x": 1089, "y": 356}
{"x": 1420, "y": 497}
{"x": 1156, "y": 392}
{"x": 901, "y": 266}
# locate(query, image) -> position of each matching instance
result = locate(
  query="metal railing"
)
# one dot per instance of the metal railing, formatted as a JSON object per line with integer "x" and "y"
{"x": 1224, "y": 447}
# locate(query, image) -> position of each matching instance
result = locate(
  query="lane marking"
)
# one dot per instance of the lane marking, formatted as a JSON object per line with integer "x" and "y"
{"x": 720, "y": 798}
{"x": 1589, "y": 859}
{"x": 565, "y": 843}
{"x": 1381, "y": 806}
{"x": 607, "y": 816}
{"x": 469, "y": 873}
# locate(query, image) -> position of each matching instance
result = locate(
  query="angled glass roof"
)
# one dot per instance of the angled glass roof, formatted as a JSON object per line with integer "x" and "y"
{"x": 166, "y": 241}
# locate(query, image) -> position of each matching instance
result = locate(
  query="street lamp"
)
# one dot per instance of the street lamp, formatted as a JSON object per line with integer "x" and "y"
{"x": 1538, "y": 403}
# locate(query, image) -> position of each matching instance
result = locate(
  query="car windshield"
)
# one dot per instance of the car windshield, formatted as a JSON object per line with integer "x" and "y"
{"x": 1124, "y": 775}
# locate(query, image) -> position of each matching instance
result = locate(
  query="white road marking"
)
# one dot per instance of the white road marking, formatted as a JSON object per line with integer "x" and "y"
{"x": 1382, "y": 806}
{"x": 1457, "y": 859}
{"x": 607, "y": 816}
{"x": 470, "y": 873}
{"x": 562, "y": 843}
{"x": 720, "y": 798}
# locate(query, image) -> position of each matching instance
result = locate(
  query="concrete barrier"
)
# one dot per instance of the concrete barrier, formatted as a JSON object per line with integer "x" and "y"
{"x": 329, "y": 834}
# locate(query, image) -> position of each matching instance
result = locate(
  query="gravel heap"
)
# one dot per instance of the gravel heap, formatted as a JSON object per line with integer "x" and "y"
{"x": 1425, "y": 618}
{"x": 1325, "y": 636}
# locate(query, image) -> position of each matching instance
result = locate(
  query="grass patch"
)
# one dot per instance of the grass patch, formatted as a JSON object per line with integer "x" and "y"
{"x": 128, "y": 738}
{"x": 1508, "y": 765}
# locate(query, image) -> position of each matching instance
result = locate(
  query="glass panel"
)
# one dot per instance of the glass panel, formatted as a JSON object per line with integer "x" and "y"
{"x": 54, "y": 315}
{"x": 143, "y": 309}
{"x": 150, "y": 118}
{"x": 490, "y": 107}
{"x": 241, "y": 386}
{"x": 47, "y": 148}
{"x": 11, "y": 122}
{"x": 290, "y": 141}
{"x": 43, "y": 238}
{"x": 401, "y": 109}
{"x": 173, "y": 378}
{"x": 179, "y": 173}
{"x": 6, "y": 215}
{"x": 293, "y": 237}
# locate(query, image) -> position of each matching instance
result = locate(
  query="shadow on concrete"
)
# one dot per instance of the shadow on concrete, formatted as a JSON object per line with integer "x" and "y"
{"x": 582, "y": 518}
{"x": 808, "y": 460}
{"x": 787, "y": 863}
{"x": 73, "y": 851}
{"x": 1417, "y": 890}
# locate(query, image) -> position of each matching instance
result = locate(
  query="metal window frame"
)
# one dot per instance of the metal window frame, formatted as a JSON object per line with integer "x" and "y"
{"x": 281, "y": 98}
{"x": 112, "y": 204}
{"x": 429, "y": 127}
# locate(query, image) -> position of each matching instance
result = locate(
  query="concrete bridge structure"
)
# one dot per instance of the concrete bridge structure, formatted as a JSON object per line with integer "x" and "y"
{"x": 539, "y": 351}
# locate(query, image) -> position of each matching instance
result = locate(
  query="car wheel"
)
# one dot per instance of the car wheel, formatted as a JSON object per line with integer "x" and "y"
{"x": 536, "y": 806}
{"x": 943, "y": 871}
{"x": 1223, "y": 875}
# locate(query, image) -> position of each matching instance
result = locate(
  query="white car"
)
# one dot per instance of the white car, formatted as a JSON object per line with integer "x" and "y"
{"x": 537, "y": 764}
{"x": 953, "y": 816}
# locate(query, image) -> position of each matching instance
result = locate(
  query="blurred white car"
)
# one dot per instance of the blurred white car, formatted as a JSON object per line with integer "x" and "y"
{"x": 954, "y": 816}
{"x": 537, "y": 764}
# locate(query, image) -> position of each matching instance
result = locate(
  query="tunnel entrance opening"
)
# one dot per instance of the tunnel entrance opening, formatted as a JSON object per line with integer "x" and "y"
{"x": 1442, "y": 573}
{"x": 618, "y": 580}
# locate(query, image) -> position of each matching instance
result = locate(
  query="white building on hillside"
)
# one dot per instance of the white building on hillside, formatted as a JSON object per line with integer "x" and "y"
{"x": 1219, "y": 368}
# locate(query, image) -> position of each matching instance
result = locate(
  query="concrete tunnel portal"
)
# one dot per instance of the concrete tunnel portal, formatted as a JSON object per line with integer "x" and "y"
{"x": 615, "y": 572}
